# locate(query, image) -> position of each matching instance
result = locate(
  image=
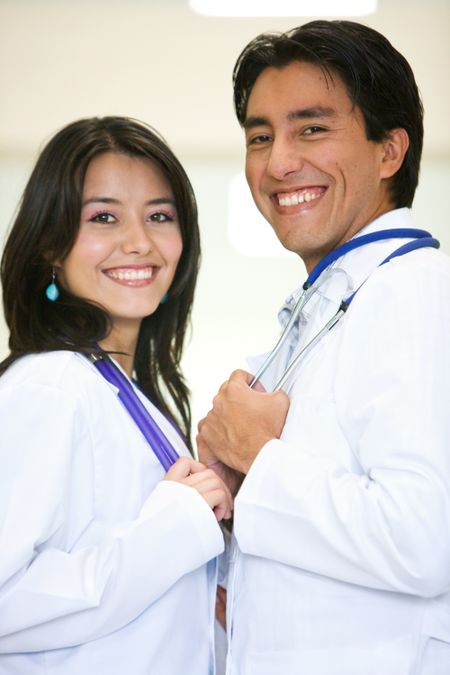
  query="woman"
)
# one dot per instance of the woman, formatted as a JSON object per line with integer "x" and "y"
{"x": 104, "y": 556}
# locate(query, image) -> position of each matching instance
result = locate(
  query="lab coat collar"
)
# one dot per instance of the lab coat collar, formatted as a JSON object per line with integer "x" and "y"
{"x": 348, "y": 273}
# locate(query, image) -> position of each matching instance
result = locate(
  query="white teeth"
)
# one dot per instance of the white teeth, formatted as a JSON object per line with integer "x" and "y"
{"x": 297, "y": 198}
{"x": 132, "y": 275}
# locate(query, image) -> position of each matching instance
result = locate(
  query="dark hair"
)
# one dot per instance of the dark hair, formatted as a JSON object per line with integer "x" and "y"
{"x": 45, "y": 229}
{"x": 378, "y": 78}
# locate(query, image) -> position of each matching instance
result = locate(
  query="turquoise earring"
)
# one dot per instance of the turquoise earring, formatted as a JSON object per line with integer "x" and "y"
{"x": 52, "y": 290}
{"x": 164, "y": 299}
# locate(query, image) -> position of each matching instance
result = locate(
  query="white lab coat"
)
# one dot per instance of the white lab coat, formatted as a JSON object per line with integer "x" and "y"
{"x": 103, "y": 567}
{"x": 341, "y": 562}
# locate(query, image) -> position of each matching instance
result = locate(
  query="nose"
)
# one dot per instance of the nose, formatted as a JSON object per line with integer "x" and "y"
{"x": 136, "y": 237}
{"x": 285, "y": 158}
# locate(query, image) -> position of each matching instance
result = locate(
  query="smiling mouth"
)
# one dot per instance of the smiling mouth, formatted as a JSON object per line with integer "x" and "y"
{"x": 129, "y": 274}
{"x": 296, "y": 197}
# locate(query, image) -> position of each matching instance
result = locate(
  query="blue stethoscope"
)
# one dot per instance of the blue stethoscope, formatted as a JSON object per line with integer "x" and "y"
{"x": 421, "y": 239}
{"x": 156, "y": 438}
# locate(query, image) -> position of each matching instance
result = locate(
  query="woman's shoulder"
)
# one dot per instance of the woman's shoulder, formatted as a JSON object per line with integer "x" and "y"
{"x": 57, "y": 369}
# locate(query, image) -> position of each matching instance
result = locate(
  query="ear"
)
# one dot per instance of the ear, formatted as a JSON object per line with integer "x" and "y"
{"x": 395, "y": 147}
{"x": 54, "y": 262}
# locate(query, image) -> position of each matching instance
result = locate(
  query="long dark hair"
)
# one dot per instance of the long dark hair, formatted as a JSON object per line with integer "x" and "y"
{"x": 378, "y": 78}
{"x": 45, "y": 229}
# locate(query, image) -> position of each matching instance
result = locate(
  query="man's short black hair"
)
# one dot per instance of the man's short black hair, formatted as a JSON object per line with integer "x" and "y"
{"x": 378, "y": 78}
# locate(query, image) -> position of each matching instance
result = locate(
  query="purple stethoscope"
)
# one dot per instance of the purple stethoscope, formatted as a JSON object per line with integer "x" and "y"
{"x": 156, "y": 438}
{"x": 153, "y": 434}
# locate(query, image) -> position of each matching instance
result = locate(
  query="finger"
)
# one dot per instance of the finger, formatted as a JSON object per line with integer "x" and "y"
{"x": 208, "y": 420}
{"x": 222, "y": 511}
{"x": 204, "y": 481}
{"x": 197, "y": 476}
{"x": 214, "y": 492}
{"x": 219, "y": 512}
{"x": 205, "y": 454}
{"x": 200, "y": 424}
{"x": 281, "y": 395}
{"x": 241, "y": 376}
{"x": 179, "y": 470}
{"x": 197, "y": 467}
{"x": 222, "y": 388}
{"x": 203, "y": 450}
{"x": 282, "y": 399}
{"x": 216, "y": 400}
{"x": 216, "y": 496}
{"x": 209, "y": 431}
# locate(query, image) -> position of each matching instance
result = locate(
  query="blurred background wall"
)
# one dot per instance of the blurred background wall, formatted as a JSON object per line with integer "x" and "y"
{"x": 158, "y": 61}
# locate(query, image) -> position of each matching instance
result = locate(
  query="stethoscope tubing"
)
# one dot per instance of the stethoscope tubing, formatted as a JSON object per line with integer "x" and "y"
{"x": 301, "y": 302}
{"x": 302, "y": 353}
{"x": 421, "y": 239}
{"x": 158, "y": 441}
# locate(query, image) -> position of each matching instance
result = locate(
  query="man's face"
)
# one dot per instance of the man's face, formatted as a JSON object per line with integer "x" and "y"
{"x": 311, "y": 170}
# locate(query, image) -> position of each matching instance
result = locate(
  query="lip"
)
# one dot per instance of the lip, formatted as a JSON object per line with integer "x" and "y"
{"x": 134, "y": 276}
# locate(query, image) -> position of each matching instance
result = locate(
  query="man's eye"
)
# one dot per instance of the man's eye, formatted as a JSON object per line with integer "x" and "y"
{"x": 258, "y": 140}
{"x": 103, "y": 217}
{"x": 313, "y": 130}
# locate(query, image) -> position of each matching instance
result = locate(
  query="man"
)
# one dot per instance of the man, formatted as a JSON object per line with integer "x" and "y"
{"x": 340, "y": 563}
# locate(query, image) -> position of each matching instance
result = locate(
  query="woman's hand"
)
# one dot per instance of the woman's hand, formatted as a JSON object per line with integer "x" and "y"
{"x": 207, "y": 483}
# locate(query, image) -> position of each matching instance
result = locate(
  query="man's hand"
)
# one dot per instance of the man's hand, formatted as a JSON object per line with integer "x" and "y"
{"x": 230, "y": 477}
{"x": 241, "y": 421}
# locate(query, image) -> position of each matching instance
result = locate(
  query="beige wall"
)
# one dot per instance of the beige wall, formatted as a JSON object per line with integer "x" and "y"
{"x": 156, "y": 61}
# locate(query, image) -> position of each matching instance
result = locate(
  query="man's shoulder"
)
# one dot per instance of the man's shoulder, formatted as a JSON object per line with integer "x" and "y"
{"x": 421, "y": 267}
{"x": 406, "y": 292}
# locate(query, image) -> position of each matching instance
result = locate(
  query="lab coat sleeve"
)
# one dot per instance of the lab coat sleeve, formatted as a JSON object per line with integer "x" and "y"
{"x": 386, "y": 526}
{"x": 53, "y": 594}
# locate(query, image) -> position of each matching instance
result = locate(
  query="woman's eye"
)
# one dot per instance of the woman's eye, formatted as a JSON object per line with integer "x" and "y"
{"x": 160, "y": 217}
{"x": 103, "y": 217}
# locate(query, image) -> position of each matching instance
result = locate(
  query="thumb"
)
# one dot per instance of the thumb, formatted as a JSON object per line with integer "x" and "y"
{"x": 258, "y": 386}
{"x": 196, "y": 467}
{"x": 181, "y": 469}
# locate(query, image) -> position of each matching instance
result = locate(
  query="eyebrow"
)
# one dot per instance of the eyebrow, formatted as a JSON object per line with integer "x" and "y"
{"x": 301, "y": 114}
{"x": 111, "y": 200}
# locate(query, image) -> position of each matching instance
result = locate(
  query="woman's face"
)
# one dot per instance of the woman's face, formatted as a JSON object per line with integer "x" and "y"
{"x": 129, "y": 242}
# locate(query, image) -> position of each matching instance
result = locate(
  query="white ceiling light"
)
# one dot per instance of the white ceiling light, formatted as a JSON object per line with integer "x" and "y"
{"x": 292, "y": 8}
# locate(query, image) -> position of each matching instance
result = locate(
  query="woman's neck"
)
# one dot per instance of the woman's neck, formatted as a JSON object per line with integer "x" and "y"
{"x": 122, "y": 344}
